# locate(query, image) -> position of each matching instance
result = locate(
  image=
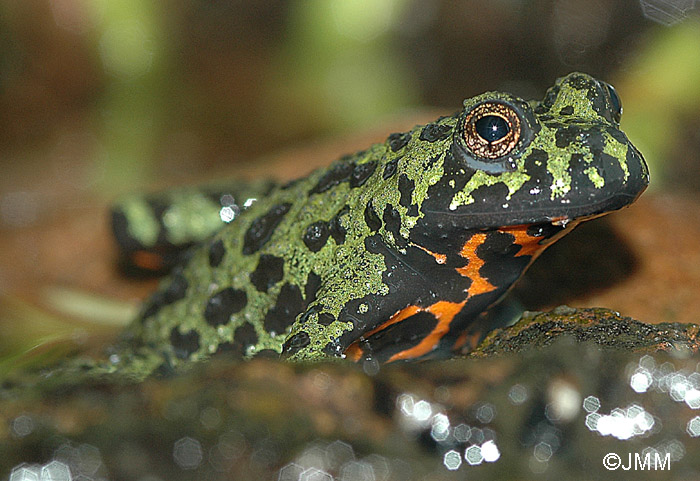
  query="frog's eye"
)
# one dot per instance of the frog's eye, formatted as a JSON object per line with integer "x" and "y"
{"x": 491, "y": 130}
{"x": 614, "y": 101}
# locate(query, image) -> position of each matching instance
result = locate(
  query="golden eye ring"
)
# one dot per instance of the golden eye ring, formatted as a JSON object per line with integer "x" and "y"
{"x": 491, "y": 130}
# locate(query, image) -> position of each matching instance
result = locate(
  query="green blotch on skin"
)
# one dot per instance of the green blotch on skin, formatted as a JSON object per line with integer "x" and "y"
{"x": 191, "y": 217}
{"x": 558, "y": 166}
{"x": 617, "y": 150}
{"x": 512, "y": 180}
{"x": 320, "y": 336}
{"x": 595, "y": 177}
{"x": 558, "y": 160}
{"x": 571, "y": 97}
{"x": 142, "y": 225}
{"x": 417, "y": 166}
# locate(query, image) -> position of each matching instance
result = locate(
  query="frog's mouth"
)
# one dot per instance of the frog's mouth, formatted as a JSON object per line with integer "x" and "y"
{"x": 555, "y": 214}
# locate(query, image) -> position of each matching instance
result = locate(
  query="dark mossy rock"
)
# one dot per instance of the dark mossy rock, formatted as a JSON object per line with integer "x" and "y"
{"x": 603, "y": 327}
{"x": 551, "y": 410}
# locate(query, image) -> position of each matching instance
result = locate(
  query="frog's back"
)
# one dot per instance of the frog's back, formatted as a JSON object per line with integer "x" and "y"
{"x": 245, "y": 286}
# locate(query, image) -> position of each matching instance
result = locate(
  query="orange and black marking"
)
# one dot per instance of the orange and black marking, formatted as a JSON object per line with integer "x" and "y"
{"x": 478, "y": 271}
{"x": 480, "y": 284}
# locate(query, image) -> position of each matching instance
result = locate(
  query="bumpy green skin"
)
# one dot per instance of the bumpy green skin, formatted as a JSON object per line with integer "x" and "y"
{"x": 574, "y": 164}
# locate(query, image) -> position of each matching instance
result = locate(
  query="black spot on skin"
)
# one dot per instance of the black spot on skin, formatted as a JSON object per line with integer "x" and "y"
{"x": 216, "y": 253}
{"x": 243, "y": 337}
{"x": 435, "y": 132}
{"x": 579, "y": 82}
{"x": 313, "y": 283}
{"x": 392, "y": 222}
{"x": 222, "y": 305}
{"x": 576, "y": 167}
{"x": 336, "y": 175}
{"x": 120, "y": 230}
{"x": 453, "y": 180}
{"x": 262, "y": 228}
{"x": 489, "y": 194}
{"x": 336, "y": 229}
{"x": 184, "y": 344}
{"x": 176, "y": 289}
{"x": 568, "y": 110}
{"x": 501, "y": 267}
{"x": 373, "y": 244}
{"x": 295, "y": 343}
{"x": 538, "y": 156}
{"x": 536, "y": 165}
{"x": 152, "y": 306}
{"x": 325, "y": 318}
{"x": 565, "y": 136}
{"x": 372, "y": 219}
{"x": 308, "y": 313}
{"x": 390, "y": 168}
{"x": 288, "y": 306}
{"x": 446, "y": 237}
{"x": 398, "y": 141}
{"x": 269, "y": 271}
{"x": 316, "y": 235}
{"x": 406, "y": 187}
{"x": 361, "y": 173}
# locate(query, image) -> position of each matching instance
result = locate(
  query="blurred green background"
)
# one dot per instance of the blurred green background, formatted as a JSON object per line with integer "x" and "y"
{"x": 105, "y": 96}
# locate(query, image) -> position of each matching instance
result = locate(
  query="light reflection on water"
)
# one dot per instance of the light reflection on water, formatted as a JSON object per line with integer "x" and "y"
{"x": 566, "y": 404}
{"x": 336, "y": 460}
{"x": 459, "y": 439}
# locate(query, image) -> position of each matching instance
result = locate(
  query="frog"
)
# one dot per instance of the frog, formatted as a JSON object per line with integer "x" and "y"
{"x": 395, "y": 253}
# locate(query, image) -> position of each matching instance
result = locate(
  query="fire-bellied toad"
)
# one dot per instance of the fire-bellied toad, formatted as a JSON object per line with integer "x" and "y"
{"x": 391, "y": 253}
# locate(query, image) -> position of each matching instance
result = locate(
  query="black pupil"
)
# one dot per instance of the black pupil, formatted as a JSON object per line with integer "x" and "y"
{"x": 492, "y": 128}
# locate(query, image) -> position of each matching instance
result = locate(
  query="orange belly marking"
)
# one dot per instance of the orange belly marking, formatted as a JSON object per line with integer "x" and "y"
{"x": 443, "y": 311}
{"x": 529, "y": 245}
{"x": 479, "y": 284}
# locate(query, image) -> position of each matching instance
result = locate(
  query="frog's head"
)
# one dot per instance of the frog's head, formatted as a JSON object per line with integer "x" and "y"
{"x": 512, "y": 162}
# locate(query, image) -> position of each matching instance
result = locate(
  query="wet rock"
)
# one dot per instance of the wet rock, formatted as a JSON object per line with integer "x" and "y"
{"x": 554, "y": 409}
{"x": 602, "y": 327}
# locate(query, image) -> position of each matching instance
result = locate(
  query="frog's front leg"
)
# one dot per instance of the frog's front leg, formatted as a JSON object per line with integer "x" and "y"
{"x": 411, "y": 332}
{"x": 405, "y": 313}
{"x": 428, "y": 301}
